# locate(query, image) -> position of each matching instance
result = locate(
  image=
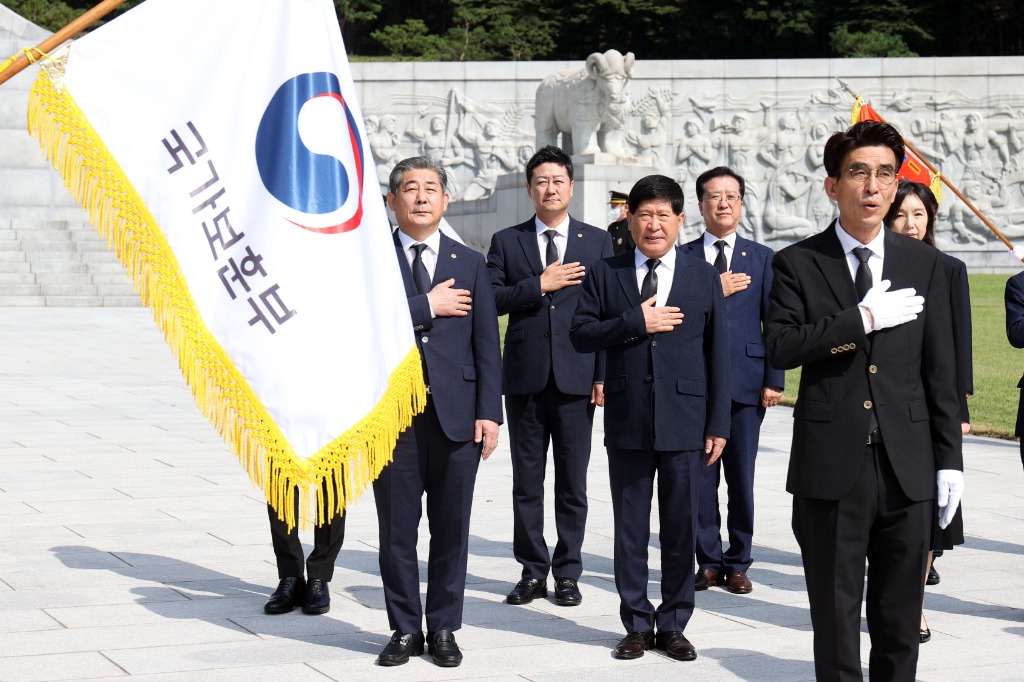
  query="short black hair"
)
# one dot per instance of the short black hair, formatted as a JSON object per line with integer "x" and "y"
{"x": 548, "y": 154}
{"x": 416, "y": 163}
{"x": 863, "y": 134}
{"x": 719, "y": 172}
{"x": 656, "y": 188}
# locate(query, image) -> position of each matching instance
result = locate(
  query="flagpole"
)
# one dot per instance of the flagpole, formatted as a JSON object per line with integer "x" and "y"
{"x": 942, "y": 177}
{"x": 66, "y": 33}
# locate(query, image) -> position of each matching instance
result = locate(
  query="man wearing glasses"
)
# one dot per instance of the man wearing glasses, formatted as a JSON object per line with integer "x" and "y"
{"x": 876, "y": 429}
{"x": 745, "y": 269}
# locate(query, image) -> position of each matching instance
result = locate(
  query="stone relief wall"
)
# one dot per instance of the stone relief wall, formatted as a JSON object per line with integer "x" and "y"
{"x": 766, "y": 119}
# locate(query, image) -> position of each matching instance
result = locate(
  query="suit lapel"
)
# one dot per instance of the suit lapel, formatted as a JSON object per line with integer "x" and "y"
{"x": 626, "y": 271}
{"x": 676, "y": 292}
{"x": 528, "y": 242}
{"x": 832, "y": 262}
{"x": 740, "y": 262}
{"x": 403, "y": 265}
{"x": 447, "y": 261}
{"x": 574, "y": 246}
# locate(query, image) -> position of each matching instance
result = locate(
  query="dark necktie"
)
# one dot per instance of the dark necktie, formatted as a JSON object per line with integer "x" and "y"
{"x": 650, "y": 285}
{"x": 863, "y": 278}
{"x": 419, "y": 271}
{"x": 720, "y": 263}
{"x": 552, "y": 253}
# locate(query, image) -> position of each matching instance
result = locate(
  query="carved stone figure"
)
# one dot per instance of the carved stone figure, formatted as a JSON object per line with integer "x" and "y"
{"x": 587, "y": 106}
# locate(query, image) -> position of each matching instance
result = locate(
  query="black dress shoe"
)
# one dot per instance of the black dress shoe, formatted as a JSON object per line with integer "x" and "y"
{"x": 634, "y": 645}
{"x": 526, "y": 590}
{"x": 933, "y": 576}
{"x": 289, "y": 594}
{"x": 676, "y": 645}
{"x": 443, "y": 648}
{"x": 926, "y": 634}
{"x": 400, "y": 648}
{"x": 318, "y": 597}
{"x": 567, "y": 592}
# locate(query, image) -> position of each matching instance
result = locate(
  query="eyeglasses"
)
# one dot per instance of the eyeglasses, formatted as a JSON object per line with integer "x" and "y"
{"x": 884, "y": 176}
{"x": 729, "y": 198}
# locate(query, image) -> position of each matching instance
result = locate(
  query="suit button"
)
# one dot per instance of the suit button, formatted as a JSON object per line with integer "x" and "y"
{"x": 834, "y": 351}
{"x": 873, "y": 369}
{"x": 424, "y": 339}
{"x": 853, "y": 346}
{"x": 867, "y": 405}
{"x": 654, "y": 343}
{"x": 648, "y": 379}
{"x": 547, "y": 335}
{"x": 552, "y": 307}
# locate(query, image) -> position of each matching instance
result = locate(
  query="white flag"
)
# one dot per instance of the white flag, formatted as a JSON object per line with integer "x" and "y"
{"x": 220, "y": 148}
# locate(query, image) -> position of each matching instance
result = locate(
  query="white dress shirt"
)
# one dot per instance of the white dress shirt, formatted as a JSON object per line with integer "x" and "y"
{"x": 711, "y": 251}
{"x": 875, "y": 262}
{"x": 561, "y": 239}
{"x": 664, "y": 272}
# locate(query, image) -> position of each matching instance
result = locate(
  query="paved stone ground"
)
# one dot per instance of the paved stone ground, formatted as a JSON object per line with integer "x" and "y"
{"x": 132, "y": 544}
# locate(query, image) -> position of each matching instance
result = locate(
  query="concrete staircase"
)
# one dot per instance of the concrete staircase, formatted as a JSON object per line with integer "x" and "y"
{"x": 60, "y": 263}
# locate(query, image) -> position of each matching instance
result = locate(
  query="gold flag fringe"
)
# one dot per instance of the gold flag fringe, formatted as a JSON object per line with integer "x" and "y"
{"x": 335, "y": 476}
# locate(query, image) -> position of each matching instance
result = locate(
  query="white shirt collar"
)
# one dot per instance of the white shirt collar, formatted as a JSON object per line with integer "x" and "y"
{"x": 710, "y": 239}
{"x": 561, "y": 228}
{"x": 667, "y": 261}
{"x": 433, "y": 242}
{"x": 877, "y": 245}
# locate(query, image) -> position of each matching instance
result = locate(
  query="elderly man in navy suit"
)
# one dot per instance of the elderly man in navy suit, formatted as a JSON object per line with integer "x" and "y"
{"x": 550, "y": 389}
{"x": 659, "y": 315}
{"x": 457, "y": 334}
{"x": 746, "y": 274}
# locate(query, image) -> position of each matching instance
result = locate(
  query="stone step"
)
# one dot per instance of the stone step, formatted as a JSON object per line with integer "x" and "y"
{"x": 64, "y": 278}
{"x": 73, "y": 301}
{"x": 21, "y": 300}
{"x": 20, "y": 290}
{"x": 17, "y": 278}
{"x": 60, "y": 267}
{"x": 51, "y": 290}
{"x": 112, "y": 279}
{"x": 12, "y": 256}
{"x": 15, "y": 266}
{"x": 132, "y": 301}
{"x": 37, "y": 245}
{"x": 48, "y": 234}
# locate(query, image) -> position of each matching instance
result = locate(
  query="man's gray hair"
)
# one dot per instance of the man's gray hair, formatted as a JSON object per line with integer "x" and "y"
{"x": 414, "y": 163}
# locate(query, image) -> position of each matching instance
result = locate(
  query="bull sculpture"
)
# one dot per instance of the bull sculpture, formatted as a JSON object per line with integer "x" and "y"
{"x": 587, "y": 106}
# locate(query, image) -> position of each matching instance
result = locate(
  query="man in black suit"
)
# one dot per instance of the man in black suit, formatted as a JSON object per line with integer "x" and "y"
{"x": 746, "y": 274}
{"x": 294, "y": 589}
{"x": 1014, "y": 302}
{"x": 456, "y": 329}
{"x": 876, "y": 429}
{"x": 550, "y": 389}
{"x": 659, "y": 316}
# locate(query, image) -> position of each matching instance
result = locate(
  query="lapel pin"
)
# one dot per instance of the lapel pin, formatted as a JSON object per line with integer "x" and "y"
{"x": 579, "y": 234}
{"x": 743, "y": 253}
{"x": 454, "y": 256}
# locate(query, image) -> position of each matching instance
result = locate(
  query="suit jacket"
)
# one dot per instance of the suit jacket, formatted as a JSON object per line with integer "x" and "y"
{"x": 462, "y": 355}
{"x": 1014, "y": 301}
{"x": 537, "y": 337}
{"x": 622, "y": 240}
{"x": 665, "y": 391}
{"x": 906, "y": 374}
{"x": 746, "y": 311}
{"x": 960, "y": 299}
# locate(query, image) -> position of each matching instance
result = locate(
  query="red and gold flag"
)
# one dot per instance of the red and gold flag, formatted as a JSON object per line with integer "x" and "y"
{"x": 913, "y": 168}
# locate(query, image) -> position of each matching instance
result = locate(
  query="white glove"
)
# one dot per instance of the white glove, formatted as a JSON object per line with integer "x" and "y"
{"x": 891, "y": 308}
{"x": 951, "y": 488}
{"x": 1017, "y": 253}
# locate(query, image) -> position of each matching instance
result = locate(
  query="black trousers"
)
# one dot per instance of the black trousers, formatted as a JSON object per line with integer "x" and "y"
{"x": 327, "y": 541}
{"x": 631, "y": 474}
{"x": 566, "y": 422}
{"x": 877, "y": 523}
{"x": 426, "y": 461}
